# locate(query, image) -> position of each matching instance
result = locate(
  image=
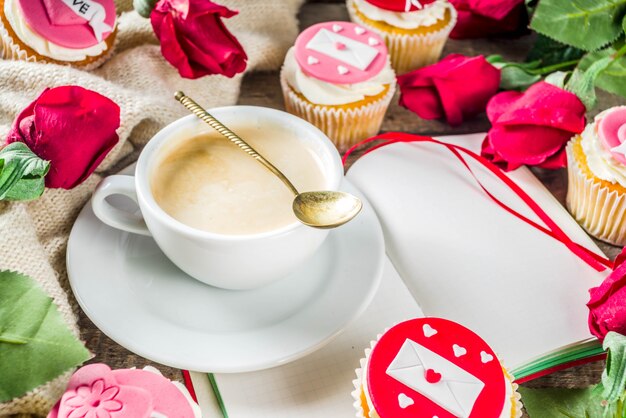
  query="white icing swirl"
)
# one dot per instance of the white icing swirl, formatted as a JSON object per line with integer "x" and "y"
{"x": 325, "y": 93}
{"x": 43, "y": 46}
{"x": 599, "y": 159}
{"x": 428, "y": 16}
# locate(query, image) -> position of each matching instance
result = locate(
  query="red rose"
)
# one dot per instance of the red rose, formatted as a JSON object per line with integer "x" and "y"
{"x": 71, "y": 127}
{"x": 607, "y": 303}
{"x": 533, "y": 127}
{"x": 482, "y": 18}
{"x": 457, "y": 87}
{"x": 194, "y": 39}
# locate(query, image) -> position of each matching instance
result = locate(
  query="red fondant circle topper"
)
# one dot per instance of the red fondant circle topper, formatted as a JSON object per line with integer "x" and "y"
{"x": 401, "y": 5}
{"x": 432, "y": 367}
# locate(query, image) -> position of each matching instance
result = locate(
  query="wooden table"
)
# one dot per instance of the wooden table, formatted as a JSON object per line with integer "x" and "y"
{"x": 263, "y": 89}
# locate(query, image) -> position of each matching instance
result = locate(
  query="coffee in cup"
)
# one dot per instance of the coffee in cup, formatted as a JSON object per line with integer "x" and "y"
{"x": 208, "y": 183}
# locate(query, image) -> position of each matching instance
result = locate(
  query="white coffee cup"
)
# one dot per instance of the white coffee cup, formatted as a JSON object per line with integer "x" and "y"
{"x": 226, "y": 261}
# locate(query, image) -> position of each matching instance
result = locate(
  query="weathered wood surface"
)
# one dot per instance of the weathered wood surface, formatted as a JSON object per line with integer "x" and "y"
{"x": 263, "y": 89}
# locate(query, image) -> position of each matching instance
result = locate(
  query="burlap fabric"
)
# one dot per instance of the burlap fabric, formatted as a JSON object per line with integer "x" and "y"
{"x": 34, "y": 235}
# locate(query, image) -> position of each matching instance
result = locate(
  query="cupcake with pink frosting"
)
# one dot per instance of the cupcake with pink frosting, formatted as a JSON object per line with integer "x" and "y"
{"x": 339, "y": 78}
{"x": 80, "y": 33}
{"x": 415, "y": 30}
{"x": 97, "y": 391}
{"x": 596, "y": 161}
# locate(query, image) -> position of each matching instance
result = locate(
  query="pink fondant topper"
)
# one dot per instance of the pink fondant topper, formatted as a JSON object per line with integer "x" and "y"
{"x": 340, "y": 53}
{"x": 70, "y": 23}
{"x": 612, "y": 131}
{"x": 97, "y": 391}
{"x": 401, "y": 5}
{"x": 432, "y": 367}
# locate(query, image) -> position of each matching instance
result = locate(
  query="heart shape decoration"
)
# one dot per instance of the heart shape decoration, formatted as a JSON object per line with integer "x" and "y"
{"x": 337, "y": 28}
{"x": 485, "y": 357}
{"x": 459, "y": 351}
{"x": 429, "y": 331}
{"x": 612, "y": 132}
{"x": 432, "y": 376}
{"x": 404, "y": 401}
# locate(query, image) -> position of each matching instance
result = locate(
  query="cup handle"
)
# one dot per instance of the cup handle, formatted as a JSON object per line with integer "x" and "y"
{"x": 112, "y": 216}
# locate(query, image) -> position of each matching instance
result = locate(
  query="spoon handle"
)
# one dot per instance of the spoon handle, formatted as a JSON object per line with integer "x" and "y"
{"x": 197, "y": 110}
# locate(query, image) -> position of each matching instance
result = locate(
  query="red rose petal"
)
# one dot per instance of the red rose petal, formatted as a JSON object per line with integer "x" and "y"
{"x": 500, "y": 103}
{"x": 527, "y": 144}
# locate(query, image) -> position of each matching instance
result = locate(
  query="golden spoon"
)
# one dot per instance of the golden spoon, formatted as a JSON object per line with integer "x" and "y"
{"x": 321, "y": 209}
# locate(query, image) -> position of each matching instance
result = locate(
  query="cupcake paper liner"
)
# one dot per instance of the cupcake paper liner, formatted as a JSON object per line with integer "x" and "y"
{"x": 344, "y": 127}
{"x": 11, "y": 50}
{"x": 598, "y": 209}
{"x": 408, "y": 52}
{"x": 356, "y": 393}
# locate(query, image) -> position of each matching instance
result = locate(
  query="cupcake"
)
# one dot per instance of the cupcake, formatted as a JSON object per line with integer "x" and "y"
{"x": 415, "y": 31}
{"x": 97, "y": 391}
{"x": 432, "y": 367}
{"x": 78, "y": 33}
{"x": 338, "y": 77}
{"x": 596, "y": 161}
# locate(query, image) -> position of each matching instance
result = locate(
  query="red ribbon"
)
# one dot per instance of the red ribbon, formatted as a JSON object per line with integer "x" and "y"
{"x": 594, "y": 260}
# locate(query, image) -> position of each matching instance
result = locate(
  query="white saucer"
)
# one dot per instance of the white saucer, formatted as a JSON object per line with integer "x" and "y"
{"x": 136, "y": 296}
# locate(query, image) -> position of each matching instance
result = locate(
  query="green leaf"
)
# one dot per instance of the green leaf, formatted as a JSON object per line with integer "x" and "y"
{"x": 21, "y": 173}
{"x": 557, "y": 79}
{"x": 515, "y": 78}
{"x": 613, "y": 78}
{"x": 515, "y": 75}
{"x": 584, "y": 24}
{"x": 551, "y": 52}
{"x": 36, "y": 345}
{"x": 614, "y": 376}
{"x": 561, "y": 403}
{"x": 582, "y": 83}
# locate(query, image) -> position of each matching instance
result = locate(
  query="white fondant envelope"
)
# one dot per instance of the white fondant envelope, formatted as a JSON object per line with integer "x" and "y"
{"x": 457, "y": 390}
{"x": 355, "y": 53}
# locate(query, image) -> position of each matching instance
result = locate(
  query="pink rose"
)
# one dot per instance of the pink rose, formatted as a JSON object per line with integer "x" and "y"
{"x": 457, "y": 87}
{"x": 194, "y": 39}
{"x": 533, "y": 127}
{"x": 607, "y": 302}
{"x": 73, "y": 128}
{"x": 482, "y": 18}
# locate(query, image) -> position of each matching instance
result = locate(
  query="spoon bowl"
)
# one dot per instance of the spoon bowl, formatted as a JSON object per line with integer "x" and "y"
{"x": 326, "y": 209}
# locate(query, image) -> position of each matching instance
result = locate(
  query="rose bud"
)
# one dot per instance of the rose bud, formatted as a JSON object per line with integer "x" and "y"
{"x": 194, "y": 39}
{"x": 73, "y": 128}
{"x": 532, "y": 127}
{"x": 443, "y": 90}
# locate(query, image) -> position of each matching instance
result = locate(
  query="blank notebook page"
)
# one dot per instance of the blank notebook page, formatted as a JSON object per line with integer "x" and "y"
{"x": 319, "y": 384}
{"x": 465, "y": 258}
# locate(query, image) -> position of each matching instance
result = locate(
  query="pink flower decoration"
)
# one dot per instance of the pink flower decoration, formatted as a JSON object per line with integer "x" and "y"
{"x": 95, "y": 401}
{"x": 442, "y": 89}
{"x": 532, "y": 128}
{"x": 194, "y": 39}
{"x": 73, "y": 128}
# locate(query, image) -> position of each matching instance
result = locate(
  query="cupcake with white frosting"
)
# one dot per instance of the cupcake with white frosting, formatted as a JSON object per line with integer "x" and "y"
{"x": 433, "y": 367}
{"x": 339, "y": 78}
{"x": 596, "y": 161}
{"x": 415, "y": 31}
{"x": 78, "y": 33}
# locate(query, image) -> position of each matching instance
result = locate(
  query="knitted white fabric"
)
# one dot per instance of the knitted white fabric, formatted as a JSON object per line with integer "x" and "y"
{"x": 142, "y": 83}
